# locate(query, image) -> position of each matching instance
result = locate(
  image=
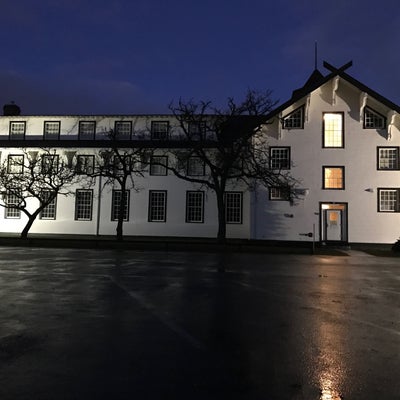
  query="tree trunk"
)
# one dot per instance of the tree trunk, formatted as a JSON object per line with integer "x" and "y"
{"x": 27, "y": 227}
{"x": 221, "y": 236}
{"x": 122, "y": 205}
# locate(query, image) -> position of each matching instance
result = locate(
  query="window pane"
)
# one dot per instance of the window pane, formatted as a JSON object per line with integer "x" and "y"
{"x": 194, "y": 206}
{"x": 372, "y": 119}
{"x": 49, "y": 212}
{"x": 280, "y": 158}
{"x": 333, "y": 178}
{"x": 15, "y": 164}
{"x": 333, "y": 130}
{"x": 233, "y": 207}
{"x": 13, "y": 199}
{"x": 51, "y": 129}
{"x": 388, "y": 200}
{"x": 83, "y": 205}
{"x": 294, "y": 119}
{"x": 123, "y": 130}
{"x": 116, "y": 205}
{"x": 85, "y": 164}
{"x": 195, "y": 166}
{"x": 17, "y": 130}
{"x": 158, "y": 165}
{"x": 87, "y": 130}
{"x": 159, "y": 130}
{"x": 157, "y": 206}
{"x": 388, "y": 158}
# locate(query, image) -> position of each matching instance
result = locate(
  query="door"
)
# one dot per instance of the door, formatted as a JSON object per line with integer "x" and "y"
{"x": 333, "y": 225}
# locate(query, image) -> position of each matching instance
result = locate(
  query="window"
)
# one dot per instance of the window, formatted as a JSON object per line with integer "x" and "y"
{"x": 158, "y": 165}
{"x": 279, "y": 157}
{"x": 194, "y": 206}
{"x": 157, "y": 205}
{"x": 333, "y": 132}
{"x": 388, "y": 158}
{"x": 233, "y": 207}
{"x": 196, "y": 130}
{"x": 294, "y": 120}
{"x": 49, "y": 164}
{"x": 84, "y": 164}
{"x": 279, "y": 193}
{"x": 83, "y": 204}
{"x": 17, "y": 130}
{"x": 373, "y": 120}
{"x": 87, "y": 130}
{"x": 159, "y": 130}
{"x": 116, "y": 205}
{"x": 49, "y": 212}
{"x": 123, "y": 130}
{"x": 51, "y": 130}
{"x": 13, "y": 200}
{"x": 388, "y": 200}
{"x": 195, "y": 166}
{"x": 15, "y": 164}
{"x": 333, "y": 177}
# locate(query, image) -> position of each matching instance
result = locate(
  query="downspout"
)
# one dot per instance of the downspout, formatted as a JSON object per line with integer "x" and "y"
{"x": 99, "y": 208}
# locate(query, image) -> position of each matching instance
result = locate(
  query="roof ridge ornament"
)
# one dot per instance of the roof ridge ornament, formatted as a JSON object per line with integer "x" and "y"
{"x": 338, "y": 70}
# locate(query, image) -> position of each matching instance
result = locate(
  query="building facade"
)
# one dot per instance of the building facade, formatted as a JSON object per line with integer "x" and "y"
{"x": 337, "y": 137}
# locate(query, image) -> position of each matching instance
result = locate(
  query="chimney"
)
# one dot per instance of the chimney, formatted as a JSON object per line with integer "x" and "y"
{"x": 11, "y": 109}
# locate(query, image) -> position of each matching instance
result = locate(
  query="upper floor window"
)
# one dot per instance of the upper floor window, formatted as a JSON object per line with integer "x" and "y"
{"x": 51, "y": 130}
{"x": 388, "y": 200}
{"x": 333, "y": 177}
{"x": 294, "y": 120}
{"x": 333, "y": 130}
{"x": 85, "y": 164}
{"x": 87, "y": 130}
{"x": 196, "y": 130}
{"x": 123, "y": 130}
{"x": 49, "y": 163}
{"x": 195, "y": 166}
{"x": 158, "y": 165}
{"x": 159, "y": 130}
{"x": 15, "y": 164}
{"x": 373, "y": 120}
{"x": 279, "y": 157}
{"x": 17, "y": 130}
{"x": 388, "y": 158}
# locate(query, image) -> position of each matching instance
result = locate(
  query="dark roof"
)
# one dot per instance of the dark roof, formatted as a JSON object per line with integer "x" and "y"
{"x": 316, "y": 80}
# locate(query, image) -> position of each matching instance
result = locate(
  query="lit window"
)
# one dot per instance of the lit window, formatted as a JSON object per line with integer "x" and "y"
{"x": 195, "y": 166}
{"x": 159, "y": 130}
{"x": 85, "y": 164}
{"x": 83, "y": 204}
{"x": 116, "y": 205}
{"x": 333, "y": 177}
{"x": 15, "y": 164}
{"x": 49, "y": 164}
{"x": 233, "y": 207}
{"x": 49, "y": 212}
{"x": 279, "y": 193}
{"x": 157, "y": 205}
{"x": 87, "y": 130}
{"x": 51, "y": 130}
{"x": 17, "y": 130}
{"x": 333, "y": 130}
{"x": 279, "y": 157}
{"x": 123, "y": 130}
{"x": 294, "y": 120}
{"x": 194, "y": 206}
{"x": 12, "y": 200}
{"x": 388, "y": 158}
{"x": 373, "y": 120}
{"x": 158, "y": 165}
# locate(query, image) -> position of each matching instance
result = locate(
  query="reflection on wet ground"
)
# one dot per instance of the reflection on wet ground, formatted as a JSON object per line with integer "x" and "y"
{"x": 98, "y": 324}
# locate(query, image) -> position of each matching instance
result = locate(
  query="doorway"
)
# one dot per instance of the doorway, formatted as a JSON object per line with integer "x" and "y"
{"x": 333, "y": 222}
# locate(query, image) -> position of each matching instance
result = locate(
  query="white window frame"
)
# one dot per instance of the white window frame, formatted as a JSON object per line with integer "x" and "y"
{"x": 389, "y": 200}
{"x": 15, "y": 164}
{"x": 333, "y": 130}
{"x": 84, "y": 164}
{"x": 51, "y": 130}
{"x": 83, "y": 204}
{"x": 17, "y": 130}
{"x": 279, "y": 158}
{"x": 158, "y": 165}
{"x": 279, "y": 193}
{"x": 11, "y": 199}
{"x": 234, "y": 207}
{"x": 373, "y": 119}
{"x": 194, "y": 206}
{"x": 294, "y": 120}
{"x": 123, "y": 130}
{"x": 157, "y": 206}
{"x": 388, "y": 158}
{"x": 115, "y": 203}
{"x": 49, "y": 212}
{"x": 87, "y": 130}
{"x": 159, "y": 130}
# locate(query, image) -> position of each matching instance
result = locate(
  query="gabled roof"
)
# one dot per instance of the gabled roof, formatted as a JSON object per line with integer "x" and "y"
{"x": 316, "y": 80}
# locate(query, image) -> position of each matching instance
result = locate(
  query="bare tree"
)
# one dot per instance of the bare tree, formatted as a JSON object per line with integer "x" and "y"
{"x": 231, "y": 146}
{"x": 121, "y": 164}
{"x": 34, "y": 175}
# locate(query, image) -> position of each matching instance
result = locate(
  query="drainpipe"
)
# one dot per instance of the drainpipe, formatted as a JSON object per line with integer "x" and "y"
{"x": 99, "y": 208}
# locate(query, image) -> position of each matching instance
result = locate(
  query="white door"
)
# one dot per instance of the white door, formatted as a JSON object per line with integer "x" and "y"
{"x": 333, "y": 224}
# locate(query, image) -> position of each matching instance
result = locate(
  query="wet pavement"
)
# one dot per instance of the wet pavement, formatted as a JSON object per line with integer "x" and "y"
{"x": 113, "y": 324}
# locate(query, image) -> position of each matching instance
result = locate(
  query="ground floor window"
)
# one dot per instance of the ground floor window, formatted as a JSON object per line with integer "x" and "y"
{"x": 83, "y": 204}
{"x": 49, "y": 212}
{"x": 157, "y": 205}
{"x": 233, "y": 207}
{"x": 194, "y": 206}
{"x": 116, "y": 205}
{"x": 388, "y": 200}
{"x": 12, "y": 200}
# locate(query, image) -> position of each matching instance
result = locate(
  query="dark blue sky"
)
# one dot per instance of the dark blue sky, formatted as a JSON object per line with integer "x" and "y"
{"x": 135, "y": 56}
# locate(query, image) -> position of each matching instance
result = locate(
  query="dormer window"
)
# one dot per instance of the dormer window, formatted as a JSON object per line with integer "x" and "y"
{"x": 294, "y": 120}
{"x": 373, "y": 120}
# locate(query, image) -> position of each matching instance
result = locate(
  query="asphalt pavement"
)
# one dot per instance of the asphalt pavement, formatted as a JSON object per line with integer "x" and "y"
{"x": 119, "y": 324}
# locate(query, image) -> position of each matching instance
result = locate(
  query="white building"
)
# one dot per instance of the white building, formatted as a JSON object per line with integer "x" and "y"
{"x": 339, "y": 138}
